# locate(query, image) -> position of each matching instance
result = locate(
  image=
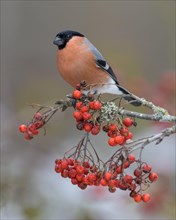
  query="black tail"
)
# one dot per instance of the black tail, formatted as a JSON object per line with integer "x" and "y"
{"x": 129, "y": 97}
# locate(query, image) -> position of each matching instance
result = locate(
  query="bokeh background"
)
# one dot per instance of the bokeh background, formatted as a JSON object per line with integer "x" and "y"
{"x": 138, "y": 40}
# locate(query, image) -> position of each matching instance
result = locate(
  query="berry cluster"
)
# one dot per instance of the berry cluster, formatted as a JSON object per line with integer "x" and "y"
{"x": 88, "y": 117}
{"x": 83, "y": 165}
{"x": 113, "y": 174}
{"x": 33, "y": 127}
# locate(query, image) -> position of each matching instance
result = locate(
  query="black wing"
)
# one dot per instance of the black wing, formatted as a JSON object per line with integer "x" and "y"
{"x": 105, "y": 66}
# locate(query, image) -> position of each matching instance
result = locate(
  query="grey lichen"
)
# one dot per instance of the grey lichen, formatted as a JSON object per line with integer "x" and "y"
{"x": 109, "y": 112}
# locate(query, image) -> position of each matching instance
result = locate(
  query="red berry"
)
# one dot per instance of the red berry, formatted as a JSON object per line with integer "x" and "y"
{"x": 124, "y": 132}
{"x": 28, "y": 135}
{"x": 126, "y": 164}
{"x": 79, "y": 105}
{"x": 112, "y": 189}
{"x": 72, "y": 173}
{"x": 70, "y": 161}
{"x": 76, "y": 94}
{"x": 35, "y": 132}
{"x": 79, "y": 177}
{"x": 129, "y": 136}
{"x": 91, "y": 105}
{"x": 74, "y": 181}
{"x": 38, "y": 124}
{"x": 95, "y": 130}
{"x": 80, "y": 169}
{"x": 119, "y": 169}
{"x": 64, "y": 173}
{"x": 113, "y": 127}
{"x": 23, "y": 128}
{"x": 84, "y": 109}
{"x": 119, "y": 139}
{"x": 137, "y": 172}
{"x": 86, "y": 164}
{"x": 127, "y": 122}
{"x": 146, "y": 168}
{"x": 86, "y": 116}
{"x": 103, "y": 182}
{"x": 153, "y": 177}
{"x": 82, "y": 186}
{"x": 58, "y": 168}
{"x": 131, "y": 158}
{"x": 92, "y": 177}
{"x": 128, "y": 178}
{"x": 64, "y": 165}
{"x": 137, "y": 197}
{"x": 97, "y": 105}
{"x": 146, "y": 197}
{"x": 112, "y": 142}
{"x": 88, "y": 127}
{"x": 37, "y": 115}
{"x": 107, "y": 176}
{"x": 77, "y": 115}
{"x": 112, "y": 134}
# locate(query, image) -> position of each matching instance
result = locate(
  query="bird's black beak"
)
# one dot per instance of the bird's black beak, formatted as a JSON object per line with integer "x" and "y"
{"x": 58, "y": 41}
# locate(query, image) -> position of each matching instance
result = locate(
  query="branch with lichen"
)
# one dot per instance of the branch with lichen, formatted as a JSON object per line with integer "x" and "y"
{"x": 82, "y": 163}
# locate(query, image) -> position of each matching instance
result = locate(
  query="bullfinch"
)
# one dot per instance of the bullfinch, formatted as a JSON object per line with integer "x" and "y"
{"x": 78, "y": 59}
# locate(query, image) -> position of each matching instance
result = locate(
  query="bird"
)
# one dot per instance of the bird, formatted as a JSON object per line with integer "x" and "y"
{"x": 79, "y": 60}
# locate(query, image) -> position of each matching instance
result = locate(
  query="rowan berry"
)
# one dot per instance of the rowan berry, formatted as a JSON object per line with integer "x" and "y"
{"x": 131, "y": 158}
{"x": 23, "y": 128}
{"x": 126, "y": 164}
{"x": 119, "y": 169}
{"x": 113, "y": 127}
{"x": 124, "y": 132}
{"x": 137, "y": 197}
{"x": 92, "y": 177}
{"x": 74, "y": 181}
{"x": 64, "y": 173}
{"x": 84, "y": 109}
{"x": 77, "y": 115}
{"x": 79, "y": 177}
{"x": 91, "y": 105}
{"x": 72, "y": 173}
{"x": 146, "y": 197}
{"x": 103, "y": 182}
{"x": 86, "y": 116}
{"x": 38, "y": 124}
{"x": 112, "y": 134}
{"x": 64, "y": 165}
{"x": 153, "y": 177}
{"x": 107, "y": 176}
{"x": 80, "y": 169}
{"x": 28, "y": 135}
{"x": 87, "y": 127}
{"x": 127, "y": 122}
{"x": 112, "y": 142}
{"x": 137, "y": 172}
{"x": 129, "y": 136}
{"x": 112, "y": 189}
{"x": 128, "y": 179}
{"x": 76, "y": 94}
{"x": 58, "y": 168}
{"x": 119, "y": 139}
{"x": 95, "y": 130}
{"x": 79, "y": 105}
{"x": 82, "y": 186}
{"x": 97, "y": 105}
{"x": 37, "y": 115}
{"x": 146, "y": 168}
{"x": 86, "y": 164}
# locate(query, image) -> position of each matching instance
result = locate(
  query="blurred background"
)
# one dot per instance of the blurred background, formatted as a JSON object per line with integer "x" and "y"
{"x": 138, "y": 39}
